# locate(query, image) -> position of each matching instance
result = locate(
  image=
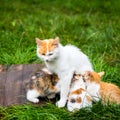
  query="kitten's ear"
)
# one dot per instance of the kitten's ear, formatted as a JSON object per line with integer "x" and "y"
{"x": 38, "y": 41}
{"x": 87, "y": 73}
{"x": 57, "y": 39}
{"x": 56, "y": 42}
{"x": 101, "y": 73}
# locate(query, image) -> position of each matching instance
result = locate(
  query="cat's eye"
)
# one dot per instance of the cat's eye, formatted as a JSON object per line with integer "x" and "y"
{"x": 43, "y": 53}
{"x": 50, "y": 54}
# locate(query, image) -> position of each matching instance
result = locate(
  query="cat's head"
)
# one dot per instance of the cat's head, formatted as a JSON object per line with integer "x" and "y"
{"x": 91, "y": 76}
{"x": 48, "y": 49}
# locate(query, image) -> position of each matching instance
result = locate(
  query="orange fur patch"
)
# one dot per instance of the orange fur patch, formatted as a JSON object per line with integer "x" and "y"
{"x": 41, "y": 82}
{"x": 88, "y": 98}
{"x": 43, "y": 48}
{"x": 78, "y": 100}
{"x": 53, "y": 88}
{"x": 46, "y": 45}
{"x": 51, "y": 45}
{"x": 94, "y": 77}
{"x": 110, "y": 93}
{"x": 78, "y": 91}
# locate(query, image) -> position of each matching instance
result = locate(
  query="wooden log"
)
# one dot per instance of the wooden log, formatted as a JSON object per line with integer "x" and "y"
{"x": 3, "y": 77}
{"x": 13, "y": 85}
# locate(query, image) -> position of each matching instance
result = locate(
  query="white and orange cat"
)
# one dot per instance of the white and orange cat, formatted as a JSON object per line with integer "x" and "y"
{"x": 63, "y": 61}
{"x": 99, "y": 90}
{"x": 78, "y": 97}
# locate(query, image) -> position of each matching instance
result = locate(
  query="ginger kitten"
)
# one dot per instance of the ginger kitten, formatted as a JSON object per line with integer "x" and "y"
{"x": 63, "y": 61}
{"x": 107, "y": 92}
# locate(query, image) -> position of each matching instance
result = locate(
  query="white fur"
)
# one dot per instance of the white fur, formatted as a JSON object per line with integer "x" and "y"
{"x": 93, "y": 89}
{"x": 32, "y": 95}
{"x": 64, "y": 62}
{"x": 79, "y": 83}
{"x": 85, "y": 102}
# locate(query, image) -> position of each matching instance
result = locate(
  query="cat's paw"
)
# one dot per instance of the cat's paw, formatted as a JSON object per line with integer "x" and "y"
{"x": 60, "y": 103}
{"x": 32, "y": 96}
{"x": 34, "y": 100}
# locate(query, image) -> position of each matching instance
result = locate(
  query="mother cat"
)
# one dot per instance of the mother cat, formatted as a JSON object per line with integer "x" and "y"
{"x": 63, "y": 61}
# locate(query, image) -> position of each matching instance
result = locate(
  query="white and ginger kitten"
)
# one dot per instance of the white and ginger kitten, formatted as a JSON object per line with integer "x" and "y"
{"x": 63, "y": 61}
{"x": 78, "y": 97}
{"x": 99, "y": 90}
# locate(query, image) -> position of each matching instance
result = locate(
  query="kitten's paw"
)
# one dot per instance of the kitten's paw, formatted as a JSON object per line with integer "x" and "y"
{"x": 32, "y": 96}
{"x": 34, "y": 100}
{"x": 61, "y": 103}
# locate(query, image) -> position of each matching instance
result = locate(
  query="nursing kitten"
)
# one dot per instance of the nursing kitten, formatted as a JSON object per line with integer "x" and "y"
{"x": 63, "y": 61}
{"x": 107, "y": 92}
{"x": 78, "y": 97}
{"x": 42, "y": 84}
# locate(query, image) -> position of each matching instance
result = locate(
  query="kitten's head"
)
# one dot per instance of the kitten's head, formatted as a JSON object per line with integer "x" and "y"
{"x": 48, "y": 49}
{"x": 91, "y": 76}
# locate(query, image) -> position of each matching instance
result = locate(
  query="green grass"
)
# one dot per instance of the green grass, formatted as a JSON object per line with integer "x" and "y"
{"x": 91, "y": 25}
{"x": 51, "y": 112}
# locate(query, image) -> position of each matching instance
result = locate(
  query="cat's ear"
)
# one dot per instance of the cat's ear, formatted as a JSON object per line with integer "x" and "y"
{"x": 101, "y": 73}
{"x": 56, "y": 42}
{"x": 87, "y": 73}
{"x": 38, "y": 41}
{"x": 57, "y": 39}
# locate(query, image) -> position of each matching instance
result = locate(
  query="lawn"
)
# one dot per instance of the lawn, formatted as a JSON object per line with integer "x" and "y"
{"x": 91, "y": 25}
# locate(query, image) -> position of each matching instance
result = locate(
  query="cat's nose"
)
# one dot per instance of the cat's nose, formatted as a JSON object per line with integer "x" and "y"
{"x": 47, "y": 60}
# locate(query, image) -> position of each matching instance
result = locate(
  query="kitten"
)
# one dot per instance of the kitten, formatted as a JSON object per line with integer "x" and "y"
{"x": 107, "y": 92}
{"x": 63, "y": 61}
{"x": 42, "y": 84}
{"x": 78, "y": 96}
